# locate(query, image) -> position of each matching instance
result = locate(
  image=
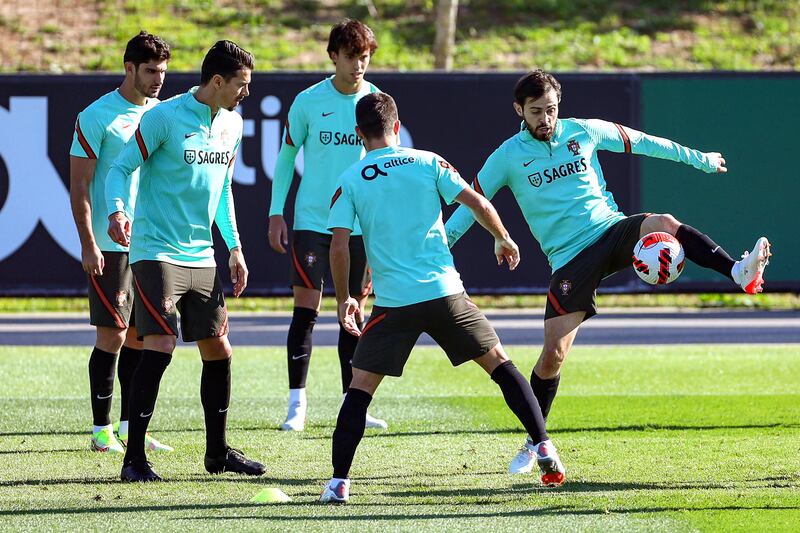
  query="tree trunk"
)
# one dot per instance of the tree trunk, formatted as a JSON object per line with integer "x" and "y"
{"x": 444, "y": 43}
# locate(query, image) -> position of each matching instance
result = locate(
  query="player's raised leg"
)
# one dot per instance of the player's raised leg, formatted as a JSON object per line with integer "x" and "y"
{"x": 559, "y": 334}
{"x": 748, "y": 273}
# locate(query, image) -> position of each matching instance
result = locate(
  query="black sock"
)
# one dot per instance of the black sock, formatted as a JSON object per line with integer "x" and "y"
{"x": 519, "y": 397}
{"x": 298, "y": 345}
{"x": 349, "y": 430}
{"x": 347, "y": 347}
{"x": 545, "y": 391}
{"x": 215, "y": 395}
{"x": 128, "y": 361}
{"x": 144, "y": 391}
{"x": 101, "y": 384}
{"x": 701, "y": 250}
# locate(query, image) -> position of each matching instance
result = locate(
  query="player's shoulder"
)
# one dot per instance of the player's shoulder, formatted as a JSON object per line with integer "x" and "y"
{"x": 318, "y": 90}
{"x": 371, "y": 88}
{"x": 101, "y": 108}
{"x": 585, "y": 124}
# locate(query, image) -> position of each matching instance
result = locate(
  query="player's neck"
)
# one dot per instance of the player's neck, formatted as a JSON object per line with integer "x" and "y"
{"x": 347, "y": 88}
{"x": 205, "y": 95}
{"x": 129, "y": 93}
{"x": 377, "y": 144}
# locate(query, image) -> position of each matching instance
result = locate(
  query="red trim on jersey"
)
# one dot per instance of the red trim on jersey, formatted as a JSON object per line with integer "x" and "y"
{"x": 303, "y": 276}
{"x": 84, "y": 143}
{"x": 625, "y": 139}
{"x": 288, "y": 140}
{"x": 336, "y": 196}
{"x": 117, "y": 318}
{"x": 477, "y": 186}
{"x": 373, "y": 321}
{"x": 557, "y": 306}
{"x": 140, "y": 142}
{"x": 152, "y": 310}
{"x": 233, "y": 160}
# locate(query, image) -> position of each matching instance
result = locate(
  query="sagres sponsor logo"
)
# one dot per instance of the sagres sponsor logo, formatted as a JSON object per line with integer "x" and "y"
{"x": 190, "y": 156}
{"x": 551, "y": 174}
{"x": 203, "y": 157}
{"x": 535, "y": 179}
{"x": 325, "y": 137}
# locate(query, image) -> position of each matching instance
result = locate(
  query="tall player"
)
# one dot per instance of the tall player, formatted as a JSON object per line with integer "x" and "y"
{"x": 552, "y": 169}
{"x": 396, "y": 193}
{"x": 322, "y": 121}
{"x": 102, "y": 129}
{"x": 186, "y": 148}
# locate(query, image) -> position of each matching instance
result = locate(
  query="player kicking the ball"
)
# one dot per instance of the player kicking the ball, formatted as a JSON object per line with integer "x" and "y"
{"x": 551, "y": 168}
{"x": 322, "y": 121}
{"x": 396, "y": 193}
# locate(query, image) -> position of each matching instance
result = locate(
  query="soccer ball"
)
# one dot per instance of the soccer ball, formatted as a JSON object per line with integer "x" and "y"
{"x": 658, "y": 258}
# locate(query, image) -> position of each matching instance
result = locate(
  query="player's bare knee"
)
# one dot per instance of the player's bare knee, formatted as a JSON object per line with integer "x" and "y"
{"x": 550, "y": 362}
{"x": 110, "y": 339}
{"x": 492, "y": 359}
{"x": 661, "y": 222}
{"x": 215, "y": 349}
{"x": 160, "y": 343}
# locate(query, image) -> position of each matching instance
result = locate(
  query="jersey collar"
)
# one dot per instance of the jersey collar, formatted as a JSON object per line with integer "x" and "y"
{"x": 200, "y": 109}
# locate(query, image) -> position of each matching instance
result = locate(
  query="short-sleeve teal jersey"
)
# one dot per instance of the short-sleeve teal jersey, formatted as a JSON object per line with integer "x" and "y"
{"x": 186, "y": 161}
{"x": 559, "y": 184}
{"x": 102, "y": 129}
{"x": 321, "y": 120}
{"x": 395, "y": 192}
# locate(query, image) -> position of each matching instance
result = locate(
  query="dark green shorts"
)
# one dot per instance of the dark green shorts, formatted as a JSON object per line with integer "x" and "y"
{"x": 454, "y": 322}
{"x": 111, "y": 295}
{"x": 573, "y": 287}
{"x": 163, "y": 288}
{"x": 311, "y": 262}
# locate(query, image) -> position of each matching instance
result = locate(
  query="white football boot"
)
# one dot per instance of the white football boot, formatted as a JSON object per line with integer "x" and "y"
{"x": 336, "y": 491}
{"x": 749, "y": 272}
{"x": 545, "y": 455}
{"x": 375, "y": 423}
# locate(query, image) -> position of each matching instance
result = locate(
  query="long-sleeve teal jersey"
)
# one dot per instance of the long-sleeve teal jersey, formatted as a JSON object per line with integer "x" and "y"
{"x": 321, "y": 120}
{"x": 186, "y": 161}
{"x": 559, "y": 184}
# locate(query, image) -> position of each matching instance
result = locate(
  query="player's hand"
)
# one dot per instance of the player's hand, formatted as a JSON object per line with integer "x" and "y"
{"x": 92, "y": 260}
{"x": 278, "y": 233}
{"x": 239, "y": 271}
{"x": 717, "y": 161}
{"x": 506, "y": 249}
{"x": 119, "y": 228}
{"x": 350, "y": 316}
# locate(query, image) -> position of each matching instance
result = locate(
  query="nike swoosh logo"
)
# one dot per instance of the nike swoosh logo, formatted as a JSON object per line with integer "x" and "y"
{"x": 126, "y": 126}
{"x": 186, "y": 136}
{"x": 105, "y": 397}
{"x": 328, "y": 114}
{"x": 528, "y": 163}
{"x": 715, "y": 250}
{"x": 296, "y": 357}
{"x": 223, "y": 410}
{"x": 145, "y": 415}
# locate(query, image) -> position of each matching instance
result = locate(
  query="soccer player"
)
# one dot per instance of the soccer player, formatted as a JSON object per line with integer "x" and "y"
{"x": 551, "y": 168}
{"x": 322, "y": 120}
{"x": 186, "y": 147}
{"x": 396, "y": 193}
{"x": 102, "y": 129}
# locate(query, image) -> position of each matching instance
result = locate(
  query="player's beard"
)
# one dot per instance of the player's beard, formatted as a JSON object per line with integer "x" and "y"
{"x": 538, "y": 134}
{"x": 150, "y": 91}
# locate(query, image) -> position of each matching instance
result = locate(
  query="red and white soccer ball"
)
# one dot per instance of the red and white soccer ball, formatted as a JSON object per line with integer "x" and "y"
{"x": 658, "y": 258}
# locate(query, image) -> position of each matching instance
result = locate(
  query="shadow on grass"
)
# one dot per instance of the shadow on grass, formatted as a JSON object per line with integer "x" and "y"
{"x": 191, "y": 478}
{"x": 65, "y": 450}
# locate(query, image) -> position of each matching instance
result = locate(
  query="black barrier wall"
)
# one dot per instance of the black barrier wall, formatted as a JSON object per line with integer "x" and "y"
{"x": 461, "y": 116}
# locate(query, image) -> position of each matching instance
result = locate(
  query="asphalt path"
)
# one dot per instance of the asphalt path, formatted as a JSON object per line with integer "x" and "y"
{"x": 516, "y": 327}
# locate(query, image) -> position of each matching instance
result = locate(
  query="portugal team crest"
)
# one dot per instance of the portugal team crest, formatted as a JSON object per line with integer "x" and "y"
{"x": 574, "y": 147}
{"x": 310, "y": 259}
{"x": 122, "y": 298}
{"x": 565, "y": 286}
{"x": 189, "y": 156}
{"x": 325, "y": 137}
{"x": 535, "y": 179}
{"x": 225, "y": 136}
{"x": 168, "y": 305}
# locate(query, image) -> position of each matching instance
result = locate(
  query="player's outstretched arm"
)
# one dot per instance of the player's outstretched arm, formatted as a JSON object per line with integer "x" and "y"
{"x": 348, "y": 310}
{"x": 81, "y": 172}
{"x": 484, "y": 212}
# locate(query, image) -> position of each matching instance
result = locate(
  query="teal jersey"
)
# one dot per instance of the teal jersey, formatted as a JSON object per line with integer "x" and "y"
{"x": 186, "y": 161}
{"x": 395, "y": 192}
{"x": 321, "y": 120}
{"x": 559, "y": 184}
{"x": 102, "y": 129}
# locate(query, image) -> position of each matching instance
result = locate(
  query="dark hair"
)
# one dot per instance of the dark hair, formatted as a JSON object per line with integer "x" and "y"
{"x": 225, "y": 58}
{"x": 534, "y": 84}
{"x": 352, "y": 35}
{"x": 144, "y": 48}
{"x": 376, "y": 114}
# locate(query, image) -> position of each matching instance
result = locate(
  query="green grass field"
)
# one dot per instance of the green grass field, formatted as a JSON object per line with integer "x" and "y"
{"x": 654, "y": 439}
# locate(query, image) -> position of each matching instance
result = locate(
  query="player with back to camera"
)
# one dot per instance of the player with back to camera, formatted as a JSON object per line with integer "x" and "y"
{"x": 186, "y": 147}
{"x": 101, "y": 130}
{"x": 396, "y": 194}
{"x": 322, "y": 121}
{"x": 552, "y": 169}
